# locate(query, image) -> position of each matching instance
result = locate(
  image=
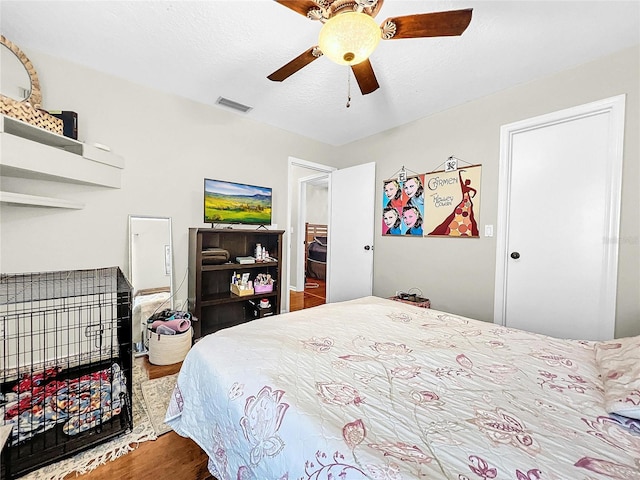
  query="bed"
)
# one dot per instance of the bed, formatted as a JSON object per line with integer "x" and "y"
{"x": 377, "y": 389}
{"x": 316, "y": 241}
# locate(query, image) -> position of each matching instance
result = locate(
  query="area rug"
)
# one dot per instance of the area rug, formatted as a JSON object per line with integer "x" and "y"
{"x": 157, "y": 394}
{"x": 91, "y": 459}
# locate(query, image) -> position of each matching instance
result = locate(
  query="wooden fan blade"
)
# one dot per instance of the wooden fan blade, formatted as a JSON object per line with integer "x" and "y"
{"x": 294, "y": 65}
{"x": 300, "y": 6}
{"x": 367, "y": 80}
{"x": 438, "y": 24}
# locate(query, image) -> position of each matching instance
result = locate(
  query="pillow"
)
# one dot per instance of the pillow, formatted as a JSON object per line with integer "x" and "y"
{"x": 618, "y": 362}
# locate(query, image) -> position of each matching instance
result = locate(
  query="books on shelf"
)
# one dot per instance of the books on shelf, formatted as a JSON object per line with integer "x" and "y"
{"x": 245, "y": 260}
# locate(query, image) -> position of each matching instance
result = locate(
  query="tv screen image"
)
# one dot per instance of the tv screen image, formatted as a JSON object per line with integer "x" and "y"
{"x": 230, "y": 202}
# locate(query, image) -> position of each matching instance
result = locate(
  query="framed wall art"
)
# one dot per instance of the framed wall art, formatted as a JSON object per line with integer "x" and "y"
{"x": 403, "y": 206}
{"x": 452, "y": 202}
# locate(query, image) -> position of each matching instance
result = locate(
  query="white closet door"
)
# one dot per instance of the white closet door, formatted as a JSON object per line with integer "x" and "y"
{"x": 557, "y": 259}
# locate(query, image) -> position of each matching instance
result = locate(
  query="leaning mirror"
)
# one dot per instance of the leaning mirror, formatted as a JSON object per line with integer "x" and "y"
{"x": 150, "y": 272}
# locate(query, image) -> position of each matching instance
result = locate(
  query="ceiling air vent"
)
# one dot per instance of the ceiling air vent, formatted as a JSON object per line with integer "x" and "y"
{"x": 225, "y": 102}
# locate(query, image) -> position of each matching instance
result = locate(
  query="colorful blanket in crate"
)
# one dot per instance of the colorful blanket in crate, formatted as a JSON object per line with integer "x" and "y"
{"x": 40, "y": 401}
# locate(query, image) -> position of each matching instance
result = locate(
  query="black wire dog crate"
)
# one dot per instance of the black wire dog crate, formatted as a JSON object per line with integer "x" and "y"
{"x": 65, "y": 364}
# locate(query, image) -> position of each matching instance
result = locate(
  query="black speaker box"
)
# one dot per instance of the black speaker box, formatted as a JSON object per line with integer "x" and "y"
{"x": 69, "y": 122}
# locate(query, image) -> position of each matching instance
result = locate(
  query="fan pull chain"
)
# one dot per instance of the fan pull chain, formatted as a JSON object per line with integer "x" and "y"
{"x": 348, "y": 87}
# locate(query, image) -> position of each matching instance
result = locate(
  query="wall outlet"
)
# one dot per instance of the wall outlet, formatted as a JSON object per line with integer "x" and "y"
{"x": 488, "y": 230}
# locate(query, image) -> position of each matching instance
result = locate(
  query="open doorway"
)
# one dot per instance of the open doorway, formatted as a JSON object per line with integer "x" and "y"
{"x": 313, "y": 230}
{"x": 308, "y": 212}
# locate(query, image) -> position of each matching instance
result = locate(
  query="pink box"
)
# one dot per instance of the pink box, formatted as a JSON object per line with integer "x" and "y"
{"x": 263, "y": 288}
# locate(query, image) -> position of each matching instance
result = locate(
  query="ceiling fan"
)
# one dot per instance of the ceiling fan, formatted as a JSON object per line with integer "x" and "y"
{"x": 350, "y": 34}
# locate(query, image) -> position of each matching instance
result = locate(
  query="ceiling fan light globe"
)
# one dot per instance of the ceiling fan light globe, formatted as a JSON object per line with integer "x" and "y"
{"x": 349, "y": 38}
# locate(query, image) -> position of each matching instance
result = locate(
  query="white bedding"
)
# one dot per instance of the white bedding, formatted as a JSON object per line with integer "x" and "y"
{"x": 378, "y": 389}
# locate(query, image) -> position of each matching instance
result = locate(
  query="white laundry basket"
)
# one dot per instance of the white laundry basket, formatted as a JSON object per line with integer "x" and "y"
{"x": 169, "y": 349}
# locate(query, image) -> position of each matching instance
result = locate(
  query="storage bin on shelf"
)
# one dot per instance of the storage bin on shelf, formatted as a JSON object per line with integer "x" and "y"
{"x": 268, "y": 288}
{"x": 242, "y": 292}
{"x": 257, "y": 312}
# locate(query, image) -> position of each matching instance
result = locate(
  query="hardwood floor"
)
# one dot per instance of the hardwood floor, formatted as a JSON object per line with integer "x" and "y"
{"x": 169, "y": 457}
{"x": 172, "y": 456}
{"x": 157, "y": 371}
{"x": 315, "y": 293}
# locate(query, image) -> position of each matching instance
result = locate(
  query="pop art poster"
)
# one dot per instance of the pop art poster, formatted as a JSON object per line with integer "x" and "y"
{"x": 452, "y": 203}
{"x": 403, "y": 206}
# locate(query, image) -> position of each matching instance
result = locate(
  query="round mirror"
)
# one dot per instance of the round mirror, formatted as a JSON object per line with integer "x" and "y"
{"x": 14, "y": 80}
{"x": 18, "y": 79}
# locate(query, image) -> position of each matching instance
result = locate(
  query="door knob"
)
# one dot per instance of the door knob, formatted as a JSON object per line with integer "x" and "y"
{"x": 515, "y": 255}
{"x": 368, "y": 247}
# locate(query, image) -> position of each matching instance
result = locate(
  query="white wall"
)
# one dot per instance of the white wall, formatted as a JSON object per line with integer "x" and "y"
{"x": 317, "y": 204}
{"x": 169, "y": 144}
{"x": 458, "y": 274}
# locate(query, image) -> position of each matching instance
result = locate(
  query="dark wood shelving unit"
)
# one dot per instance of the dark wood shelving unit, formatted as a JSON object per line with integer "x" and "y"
{"x": 210, "y": 298}
{"x": 234, "y": 266}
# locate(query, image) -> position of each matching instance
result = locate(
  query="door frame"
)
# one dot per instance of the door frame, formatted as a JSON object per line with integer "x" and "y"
{"x": 614, "y": 107}
{"x": 321, "y": 169}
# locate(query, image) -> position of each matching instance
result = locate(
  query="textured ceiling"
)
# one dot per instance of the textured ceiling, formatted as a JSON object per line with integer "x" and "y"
{"x": 206, "y": 49}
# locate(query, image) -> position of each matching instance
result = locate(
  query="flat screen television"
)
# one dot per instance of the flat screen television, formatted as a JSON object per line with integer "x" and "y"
{"x": 239, "y": 203}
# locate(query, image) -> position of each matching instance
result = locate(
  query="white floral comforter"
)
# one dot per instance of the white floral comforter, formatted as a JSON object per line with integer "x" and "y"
{"x": 376, "y": 389}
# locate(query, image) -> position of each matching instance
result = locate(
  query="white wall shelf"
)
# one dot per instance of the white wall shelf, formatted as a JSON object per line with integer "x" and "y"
{"x": 11, "y": 198}
{"x": 34, "y": 153}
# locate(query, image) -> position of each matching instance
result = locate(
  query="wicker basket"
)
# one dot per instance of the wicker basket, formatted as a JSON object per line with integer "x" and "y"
{"x": 169, "y": 349}
{"x": 25, "y": 112}
{"x": 28, "y": 110}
